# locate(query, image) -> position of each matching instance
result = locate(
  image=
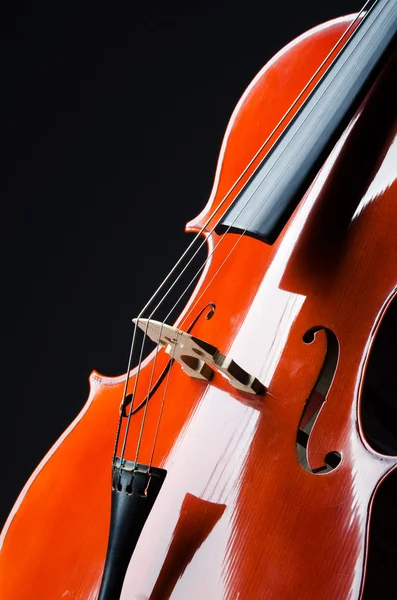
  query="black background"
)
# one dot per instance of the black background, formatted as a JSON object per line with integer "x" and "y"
{"x": 112, "y": 119}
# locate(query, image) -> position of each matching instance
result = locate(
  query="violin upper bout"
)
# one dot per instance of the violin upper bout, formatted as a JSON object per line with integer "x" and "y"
{"x": 263, "y": 104}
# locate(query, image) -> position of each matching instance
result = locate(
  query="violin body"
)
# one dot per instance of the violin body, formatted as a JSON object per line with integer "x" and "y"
{"x": 242, "y": 513}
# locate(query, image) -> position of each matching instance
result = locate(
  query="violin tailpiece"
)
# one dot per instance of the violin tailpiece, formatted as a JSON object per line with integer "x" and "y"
{"x": 135, "y": 488}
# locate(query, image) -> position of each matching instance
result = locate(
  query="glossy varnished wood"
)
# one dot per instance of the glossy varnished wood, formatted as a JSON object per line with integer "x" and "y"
{"x": 238, "y": 516}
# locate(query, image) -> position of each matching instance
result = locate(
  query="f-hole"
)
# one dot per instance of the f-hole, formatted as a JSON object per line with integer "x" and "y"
{"x": 316, "y": 401}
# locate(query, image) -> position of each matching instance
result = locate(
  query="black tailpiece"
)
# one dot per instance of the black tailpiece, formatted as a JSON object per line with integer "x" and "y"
{"x": 134, "y": 491}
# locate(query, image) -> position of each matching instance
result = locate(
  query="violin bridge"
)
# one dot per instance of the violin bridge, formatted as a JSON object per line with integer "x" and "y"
{"x": 198, "y": 358}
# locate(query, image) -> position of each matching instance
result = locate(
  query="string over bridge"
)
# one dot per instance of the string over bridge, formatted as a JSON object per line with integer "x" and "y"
{"x": 198, "y": 358}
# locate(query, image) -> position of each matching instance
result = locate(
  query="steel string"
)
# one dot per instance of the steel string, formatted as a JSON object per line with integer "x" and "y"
{"x": 210, "y": 218}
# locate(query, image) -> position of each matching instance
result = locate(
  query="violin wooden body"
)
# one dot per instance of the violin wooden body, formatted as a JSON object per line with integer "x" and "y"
{"x": 240, "y": 515}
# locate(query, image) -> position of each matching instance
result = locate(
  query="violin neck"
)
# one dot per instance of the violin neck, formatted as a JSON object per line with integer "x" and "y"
{"x": 271, "y": 194}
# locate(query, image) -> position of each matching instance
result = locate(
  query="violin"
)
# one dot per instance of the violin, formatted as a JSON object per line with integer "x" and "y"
{"x": 245, "y": 455}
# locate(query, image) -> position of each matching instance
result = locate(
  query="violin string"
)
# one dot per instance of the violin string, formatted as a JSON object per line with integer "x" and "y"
{"x": 174, "y": 346}
{"x": 185, "y": 318}
{"x": 163, "y": 322}
{"x": 167, "y": 381}
{"x": 156, "y": 434}
{"x": 145, "y": 333}
{"x": 233, "y": 187}
{"x": 191, "y": 309}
